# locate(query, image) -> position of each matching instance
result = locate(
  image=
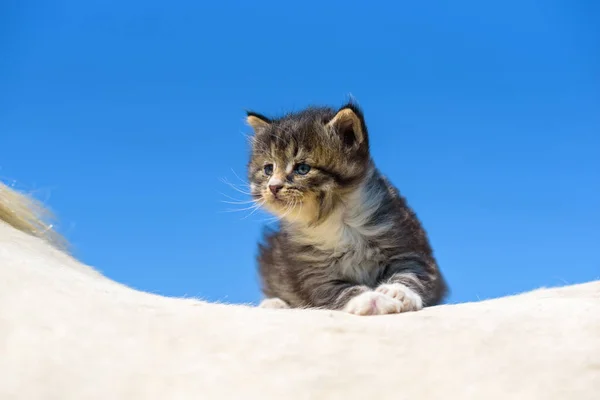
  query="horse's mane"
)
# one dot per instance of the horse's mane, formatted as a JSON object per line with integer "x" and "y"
{"x": 30, "y": 216}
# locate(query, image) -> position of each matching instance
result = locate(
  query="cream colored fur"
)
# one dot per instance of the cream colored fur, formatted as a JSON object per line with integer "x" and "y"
{"x": 67, "y": 332}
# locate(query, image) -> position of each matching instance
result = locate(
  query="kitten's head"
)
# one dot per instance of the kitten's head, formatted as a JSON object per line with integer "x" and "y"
{"x": 303, "y": 164}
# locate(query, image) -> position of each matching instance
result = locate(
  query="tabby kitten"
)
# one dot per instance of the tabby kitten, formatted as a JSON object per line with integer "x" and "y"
{"x": 347, "y": 239}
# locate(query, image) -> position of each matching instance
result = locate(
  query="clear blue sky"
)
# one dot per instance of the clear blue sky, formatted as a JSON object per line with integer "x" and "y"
{"x": 124, "y": 116}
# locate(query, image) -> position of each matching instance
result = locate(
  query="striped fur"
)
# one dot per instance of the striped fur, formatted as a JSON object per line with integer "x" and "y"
{"x": 347, "y": 238}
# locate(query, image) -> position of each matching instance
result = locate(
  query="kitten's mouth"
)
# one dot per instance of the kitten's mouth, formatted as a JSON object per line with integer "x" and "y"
{"x": 280, "y": 200}
{"x": 268, "y": 198}
{"x": 283, "y": 201}
{"x": 290, "y": 206}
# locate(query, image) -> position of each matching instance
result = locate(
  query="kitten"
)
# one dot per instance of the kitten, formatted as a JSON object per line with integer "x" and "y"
{"x": 347, "y": 239}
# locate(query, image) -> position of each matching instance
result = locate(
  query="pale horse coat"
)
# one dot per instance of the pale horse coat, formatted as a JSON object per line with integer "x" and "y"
{"x": 67, "y": 332}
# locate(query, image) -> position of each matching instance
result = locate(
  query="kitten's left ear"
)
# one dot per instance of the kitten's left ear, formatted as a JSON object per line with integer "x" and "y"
{"x": 349, "y": 123}
{"x": 257, "y": 121}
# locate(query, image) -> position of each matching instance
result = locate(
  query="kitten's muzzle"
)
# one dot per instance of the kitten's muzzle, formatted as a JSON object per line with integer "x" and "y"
{"x": 275, "y": 188}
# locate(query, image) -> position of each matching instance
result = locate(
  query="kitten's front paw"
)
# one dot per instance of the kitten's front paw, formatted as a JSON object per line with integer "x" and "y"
{"x": 273, "y": 302}
{"x": 410, "y": 300}
{"x": 373, "y": 303}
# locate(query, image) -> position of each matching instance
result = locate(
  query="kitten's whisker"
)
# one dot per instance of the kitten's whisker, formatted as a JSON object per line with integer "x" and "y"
{"x": 249, "y": 138}
{"x": 301, "y": 205}
{"x": 252, "y": 209}
{"x": 236, "y": 200}
{"x": 296, "y": 201}
{"x": 243, "y": 184}
{"x": 267, "y": 220}
{"x": 243, "y": 209}
{"x": 234, "y": 187}
{"x": 288, "y": 209}
{"x": 258, "y": 206}
{"x": 274, "y": 218}
{"x": 240, "y": 179}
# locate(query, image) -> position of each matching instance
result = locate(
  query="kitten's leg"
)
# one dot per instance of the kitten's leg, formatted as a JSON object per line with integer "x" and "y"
{"x": 412, "y": 290}
{"x": 373, "y": 303}
{"x": 322, "y": 292}
{"x": 273, "y": 302}
{"x": 410, "y": 300}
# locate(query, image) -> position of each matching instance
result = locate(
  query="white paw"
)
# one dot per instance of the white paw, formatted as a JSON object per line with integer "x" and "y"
{"x": 410, "y": 300}
{"x": 273, "y": 302}
{"x": 373, "y": 303}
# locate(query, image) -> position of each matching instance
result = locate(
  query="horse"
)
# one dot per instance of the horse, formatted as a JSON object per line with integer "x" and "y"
{"x": 69, "y": 332}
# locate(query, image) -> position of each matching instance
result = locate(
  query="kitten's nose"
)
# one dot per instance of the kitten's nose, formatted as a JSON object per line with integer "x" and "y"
{"x": 275, "y": 188}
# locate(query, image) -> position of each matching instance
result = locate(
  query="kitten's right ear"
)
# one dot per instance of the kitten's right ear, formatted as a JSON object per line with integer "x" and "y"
{"x": 349, "y": 123}
{"x": 257, "y": 121}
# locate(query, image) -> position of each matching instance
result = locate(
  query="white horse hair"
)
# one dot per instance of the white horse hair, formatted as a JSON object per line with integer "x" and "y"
{"x": 68, "y": 332}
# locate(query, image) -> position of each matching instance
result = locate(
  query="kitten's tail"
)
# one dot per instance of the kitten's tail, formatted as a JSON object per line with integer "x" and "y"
{"x": 29, "y": 216}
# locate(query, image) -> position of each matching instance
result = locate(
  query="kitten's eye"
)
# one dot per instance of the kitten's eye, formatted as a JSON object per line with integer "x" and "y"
{"x": 302, "y": 169}
{"x": 268, "y": 169}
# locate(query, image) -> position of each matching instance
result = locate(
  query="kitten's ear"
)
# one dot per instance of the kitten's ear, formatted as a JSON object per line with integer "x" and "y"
{"x": 350, "y": 125}
{"x": 256, "y": 121}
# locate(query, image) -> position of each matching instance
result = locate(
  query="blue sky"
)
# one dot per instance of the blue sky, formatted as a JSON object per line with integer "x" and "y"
{"x": 124, "y": 117}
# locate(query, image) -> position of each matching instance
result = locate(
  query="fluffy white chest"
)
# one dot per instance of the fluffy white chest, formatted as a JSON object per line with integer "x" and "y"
{"x": 360, "y": 266}
{"x": 351, "y": 247}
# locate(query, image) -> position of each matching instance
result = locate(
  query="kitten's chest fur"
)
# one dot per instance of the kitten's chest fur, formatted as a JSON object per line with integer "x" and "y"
{"x": 346, "y": 246}
{"x": 358, "y": 260}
